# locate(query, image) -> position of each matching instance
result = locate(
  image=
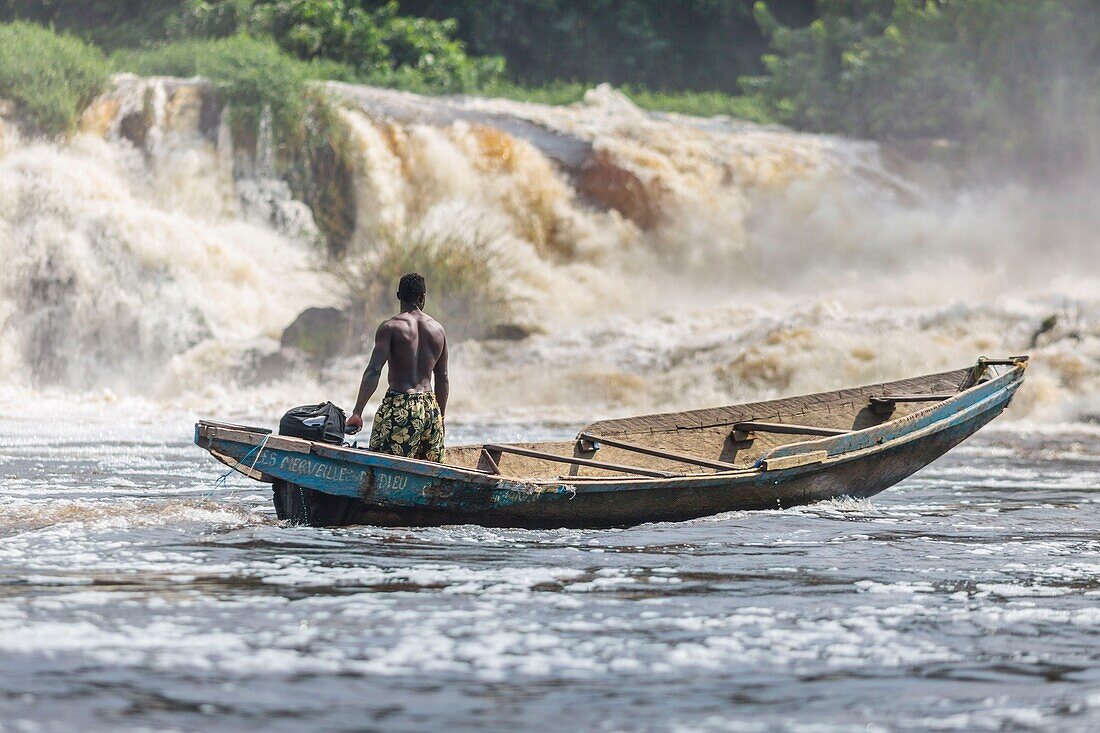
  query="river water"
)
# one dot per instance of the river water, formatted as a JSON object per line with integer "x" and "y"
{"x": 136, "y": 594}
{"x": 151, "y": 263}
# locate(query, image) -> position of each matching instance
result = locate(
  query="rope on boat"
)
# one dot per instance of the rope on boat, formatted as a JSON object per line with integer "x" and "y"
{"x": 222, "y": 481}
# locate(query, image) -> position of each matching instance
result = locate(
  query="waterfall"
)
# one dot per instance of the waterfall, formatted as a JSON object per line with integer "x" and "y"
{"x": 659, "y": 260}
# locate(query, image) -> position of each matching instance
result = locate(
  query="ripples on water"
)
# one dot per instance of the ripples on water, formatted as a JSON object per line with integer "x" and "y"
{"x": 133, "y": 595}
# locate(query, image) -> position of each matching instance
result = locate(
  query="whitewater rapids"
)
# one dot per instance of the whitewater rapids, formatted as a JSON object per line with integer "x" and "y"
{"x": 150, "y": 264}
{"x": 663, "y": 261}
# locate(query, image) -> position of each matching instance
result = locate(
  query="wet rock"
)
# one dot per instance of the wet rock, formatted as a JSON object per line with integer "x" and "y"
{"x": 321, "y": 175}
{"x": 259, "y": 366}
{"x": 98, "y": 117}
{"x": 614, "y": 187}
{"x": 183, "y": 112}
{"x": 1045, "y": 327}
{"x": 273, "y": 366}
{"x": 135, "y": 128}
{"x": 136, "y": 124}
{"x": 270, "y": 201}
{"x": 510, "y": 332}
{"x": 1057, "y": 327}
{"x": 320, "y": 334}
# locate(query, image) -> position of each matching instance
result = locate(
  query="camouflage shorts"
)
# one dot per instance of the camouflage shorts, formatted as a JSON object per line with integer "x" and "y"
{"x": 408, "y": 425}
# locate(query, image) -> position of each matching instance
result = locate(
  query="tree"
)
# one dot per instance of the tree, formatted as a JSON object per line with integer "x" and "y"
{"x": 1012, "y": 79}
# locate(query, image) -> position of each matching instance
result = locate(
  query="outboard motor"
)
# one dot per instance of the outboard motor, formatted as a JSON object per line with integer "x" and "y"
{"x": 323, "y": 423}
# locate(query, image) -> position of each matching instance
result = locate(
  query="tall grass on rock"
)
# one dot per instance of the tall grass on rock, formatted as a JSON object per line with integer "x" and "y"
{"x": 467, "y": 277}
{"x": 50, "y": 77}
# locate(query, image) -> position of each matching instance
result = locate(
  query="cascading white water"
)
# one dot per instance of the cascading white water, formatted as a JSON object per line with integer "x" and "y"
{"x": 669, "y": 260}
{"x": 122, "y": 264}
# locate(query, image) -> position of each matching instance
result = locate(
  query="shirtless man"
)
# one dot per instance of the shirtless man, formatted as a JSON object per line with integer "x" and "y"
{"x": 409, "y": 422}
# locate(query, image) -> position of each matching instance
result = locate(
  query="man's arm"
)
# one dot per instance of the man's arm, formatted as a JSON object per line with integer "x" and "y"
{"x": 442, "y": 380}
{"x": 371, "y": 375}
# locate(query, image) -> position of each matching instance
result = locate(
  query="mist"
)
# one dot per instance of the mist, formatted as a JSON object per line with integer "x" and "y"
{"x": 746, "y": 261}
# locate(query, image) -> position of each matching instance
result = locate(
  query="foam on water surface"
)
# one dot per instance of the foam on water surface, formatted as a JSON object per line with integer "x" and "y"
{"x": 136, "y": 594}
{"x": 948, "y": 600}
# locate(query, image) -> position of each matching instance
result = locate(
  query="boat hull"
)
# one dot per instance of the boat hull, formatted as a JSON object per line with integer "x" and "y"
{"x": 856, "y": 478}
{"x": 326, "y": 486}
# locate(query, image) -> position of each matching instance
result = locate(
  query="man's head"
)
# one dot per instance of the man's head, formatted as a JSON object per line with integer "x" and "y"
{"x": 411, "y": 289}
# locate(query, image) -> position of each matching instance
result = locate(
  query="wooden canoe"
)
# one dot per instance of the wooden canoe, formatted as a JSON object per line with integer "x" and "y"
{"x": 655, "y": 468}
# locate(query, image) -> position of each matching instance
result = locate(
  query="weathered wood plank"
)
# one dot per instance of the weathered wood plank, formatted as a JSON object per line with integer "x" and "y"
{"x": 668, "y": 455}
{"x": 281, "y": 442}
{"x": 487, "y": 456}
{"x": 578, "y": 461}
{"x": 693, "y": 419}
{"x": 914, "y": 397}
{"x": 785, "y": 429}
{"x": 798, "y": 459}
{"x": 233, "y": 426}
{"x": 239, "y": 466}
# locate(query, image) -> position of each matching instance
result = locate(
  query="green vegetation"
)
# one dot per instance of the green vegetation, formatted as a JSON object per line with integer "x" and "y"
{"x": 650, "y": 50}
{"x": 1014, "y": 80}
{"x": 663, "y": 45}
{"x": 378, "y": 43}
{"x": 251, "y": 75}
{"x": 1010, "y": 80}
{"x": 108, "y": 24}
{"x": 469, "y": 279}
{"x": 51, "y": 77}
{"x": 700, "y": 104}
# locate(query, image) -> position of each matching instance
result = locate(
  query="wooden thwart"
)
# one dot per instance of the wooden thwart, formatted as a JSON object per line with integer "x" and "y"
{"x": 645, "y": 450}
{"x": 912, "y": 397}
{"x": 744, "y": 430}
{"x": 491, "y": 460}
{"x": 488, "y": 449}
{"x": 884, "y": 404}
{"x": 798, "y": 459}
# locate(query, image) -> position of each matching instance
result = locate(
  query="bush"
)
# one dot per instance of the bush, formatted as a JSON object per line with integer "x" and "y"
{"x": 381, "y": 46}
{"x": 250, "y": 75}
{"x": 51, "y": 77}
{"x": 702, "y": 45}
{"x": 464, "y": 276}
{"x": 106, "y": 23}
{"x": 1013, "y": 79}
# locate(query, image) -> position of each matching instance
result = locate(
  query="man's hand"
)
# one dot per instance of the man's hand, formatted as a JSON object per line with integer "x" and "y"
{"x": 354, "y": 424}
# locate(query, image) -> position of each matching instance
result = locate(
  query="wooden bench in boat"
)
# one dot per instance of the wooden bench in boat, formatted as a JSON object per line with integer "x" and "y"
{"x": 492, "y": 453}
{"x": 592, "y": 442}
{"x": 743, "y": 431}
{"x": 884, "y": 404}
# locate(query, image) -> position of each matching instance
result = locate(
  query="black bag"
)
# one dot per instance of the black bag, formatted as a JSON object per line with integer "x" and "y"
{"x": 323, "y": 422}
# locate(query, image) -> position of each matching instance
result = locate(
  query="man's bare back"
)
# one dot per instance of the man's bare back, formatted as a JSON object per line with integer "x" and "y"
{"x": 415, "y": 346}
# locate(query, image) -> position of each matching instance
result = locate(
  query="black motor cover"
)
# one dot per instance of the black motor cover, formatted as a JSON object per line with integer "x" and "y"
{"x": 324, "y": 422}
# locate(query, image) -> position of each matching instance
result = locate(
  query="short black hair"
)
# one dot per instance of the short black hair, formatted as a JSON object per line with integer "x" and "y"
{"x": 412, "y": 288}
